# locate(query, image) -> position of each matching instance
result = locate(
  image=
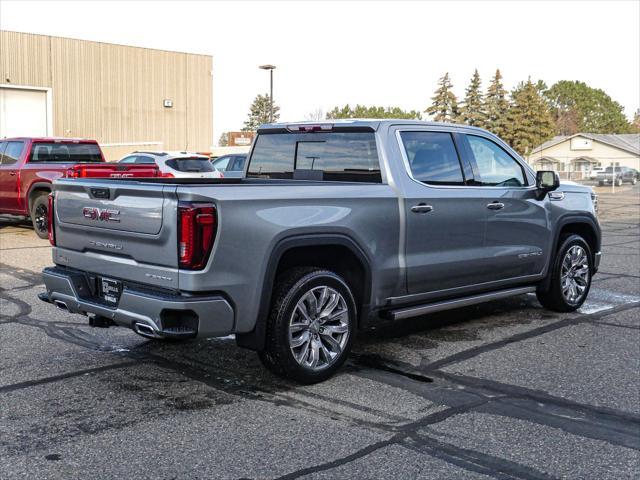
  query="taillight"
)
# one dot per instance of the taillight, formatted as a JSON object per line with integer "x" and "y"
{"x": 196, "y": 233}
{"x": 50, "y": 226}
{"x": 73, "y": 173}
{"x": 165, "y": 175}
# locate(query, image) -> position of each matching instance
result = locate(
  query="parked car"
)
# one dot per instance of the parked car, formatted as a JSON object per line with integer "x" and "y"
{"x": 619, "y": 176}
{"x": 29, "y": 165}
{"x": 593, "y": 175}
{"x": 337, "y": 227}
{"x": 231, "y": 165}
{"x": 175, "y": 164}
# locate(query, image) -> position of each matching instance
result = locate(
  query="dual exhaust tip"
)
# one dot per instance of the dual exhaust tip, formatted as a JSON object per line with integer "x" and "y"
{"x": 138, "y": 327}
{"x": 145, "y": 330}
{"x": 61, "y": 305}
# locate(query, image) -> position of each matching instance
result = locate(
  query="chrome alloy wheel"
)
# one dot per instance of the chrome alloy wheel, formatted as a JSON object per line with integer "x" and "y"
{"x": 574, "y": 274}
{"x": 319, "y": 328}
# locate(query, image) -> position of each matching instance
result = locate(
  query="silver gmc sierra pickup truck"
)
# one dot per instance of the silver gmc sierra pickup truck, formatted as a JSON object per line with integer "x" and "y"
{"x": 335, "y": 226}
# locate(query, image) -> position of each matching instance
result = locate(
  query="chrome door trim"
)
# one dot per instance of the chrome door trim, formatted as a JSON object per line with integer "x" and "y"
{"x": 418, "y": 310}
{"x": 437, "y": 295}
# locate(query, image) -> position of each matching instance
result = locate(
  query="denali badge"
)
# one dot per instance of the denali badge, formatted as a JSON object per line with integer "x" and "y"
{"x": 158, "y": 277}
{"x": 95, "y": 243}
{"x": 101, "y": 214}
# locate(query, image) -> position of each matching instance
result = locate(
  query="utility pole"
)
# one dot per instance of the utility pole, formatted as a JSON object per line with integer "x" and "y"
{"x": 271, "y": 68}
{"x": 613, "y": 177}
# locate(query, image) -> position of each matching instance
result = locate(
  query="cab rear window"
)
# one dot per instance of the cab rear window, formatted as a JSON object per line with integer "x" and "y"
{"x": 333, "y": 156}
{"x": 65, "y": 152}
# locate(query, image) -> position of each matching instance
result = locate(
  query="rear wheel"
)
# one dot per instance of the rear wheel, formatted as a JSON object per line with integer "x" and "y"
{"x": 311, "y": 325}
{"x": 570, "y": 276}
{"x": 39, "y": 215}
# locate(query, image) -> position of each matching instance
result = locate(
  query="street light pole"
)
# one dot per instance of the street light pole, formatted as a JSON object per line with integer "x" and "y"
{"x": 271, "y": 68}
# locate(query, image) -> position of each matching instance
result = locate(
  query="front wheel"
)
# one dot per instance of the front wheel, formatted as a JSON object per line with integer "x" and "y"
{"x": 634, "y": 180}
{"x": 619, "y": 182}
{"x": 570, "y": 276}
{"x": 311, "y": 325}
{"x": 39, "y": 215}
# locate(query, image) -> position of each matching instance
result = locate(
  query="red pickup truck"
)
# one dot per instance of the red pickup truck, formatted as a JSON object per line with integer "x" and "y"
{"x": 29, "y": 165}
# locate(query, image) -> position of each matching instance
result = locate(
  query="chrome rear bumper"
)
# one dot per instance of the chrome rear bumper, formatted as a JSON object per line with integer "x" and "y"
{"x": 149, "y": 313}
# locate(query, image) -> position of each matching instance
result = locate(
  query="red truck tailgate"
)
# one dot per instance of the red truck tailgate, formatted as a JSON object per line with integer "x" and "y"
{"x": 113, "y": 170}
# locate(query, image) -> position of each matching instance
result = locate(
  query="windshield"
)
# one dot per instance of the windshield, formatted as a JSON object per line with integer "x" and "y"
{"x": 65, "y": 152}
{"x": 190, "y": 164}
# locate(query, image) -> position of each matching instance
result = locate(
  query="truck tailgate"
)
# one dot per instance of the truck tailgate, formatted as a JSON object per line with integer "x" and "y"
{"x": 107, "y": 226}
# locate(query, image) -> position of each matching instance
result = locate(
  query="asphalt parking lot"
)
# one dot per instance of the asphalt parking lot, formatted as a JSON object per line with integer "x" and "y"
{"x": 502, "y": 390}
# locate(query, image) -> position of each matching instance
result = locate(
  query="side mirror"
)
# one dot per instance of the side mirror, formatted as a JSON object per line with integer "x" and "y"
{"x": 547, "y": 180}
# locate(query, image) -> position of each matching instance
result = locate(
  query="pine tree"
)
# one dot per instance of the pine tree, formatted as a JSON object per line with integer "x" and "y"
{"x": 529, "y": 120}
{"x": 496, "y": 106}
{"x": 259, "y": 113}
{"x": 635, "y": 124}
{"x": 362, "y": 111}
{"x": 445, "y": 105}
{"x": 472, "y": 110}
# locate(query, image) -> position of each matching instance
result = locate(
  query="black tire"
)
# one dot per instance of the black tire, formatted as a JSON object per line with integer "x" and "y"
{"x": 553, "y": 297}
{"x": 38, "y": 213}
{"x": 619, "y": 182}
{"x": 290, "y": 288}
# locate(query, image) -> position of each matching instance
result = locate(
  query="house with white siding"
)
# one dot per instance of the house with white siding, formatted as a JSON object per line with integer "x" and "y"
{"x": 574, "y": 156}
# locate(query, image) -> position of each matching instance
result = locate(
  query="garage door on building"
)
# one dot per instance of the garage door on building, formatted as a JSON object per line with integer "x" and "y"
{"x": 23, "y": 113}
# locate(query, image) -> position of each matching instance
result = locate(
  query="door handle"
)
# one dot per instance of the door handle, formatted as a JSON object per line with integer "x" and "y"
{"x": 495, "y": 206}
{"x": 421, "y": 208}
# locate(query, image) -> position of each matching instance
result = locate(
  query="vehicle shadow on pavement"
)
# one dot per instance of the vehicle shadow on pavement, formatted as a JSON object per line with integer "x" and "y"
{"x": 220, "y": 363}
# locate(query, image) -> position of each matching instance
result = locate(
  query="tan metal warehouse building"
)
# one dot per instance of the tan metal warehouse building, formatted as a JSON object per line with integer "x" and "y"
{"x": 127, "y": 98}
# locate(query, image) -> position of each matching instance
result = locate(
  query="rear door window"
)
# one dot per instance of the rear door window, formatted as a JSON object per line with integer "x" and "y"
{"x": 494, "y": 165}
{"x": 432, "y": 157}
{"x": 12, "y": 153}
{"x": 237, "y": 164}
{"x": 335, "y": 156}
{"x": 222, "y": 163}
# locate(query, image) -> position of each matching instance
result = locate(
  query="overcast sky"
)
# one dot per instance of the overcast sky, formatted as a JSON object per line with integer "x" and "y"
{"x": 382, "y": 53}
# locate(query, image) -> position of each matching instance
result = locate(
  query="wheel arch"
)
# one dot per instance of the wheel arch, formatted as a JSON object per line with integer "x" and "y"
{"x": 298, "y": 250}
{"x": 583, "y": 225}
{"x": 34, "y": 189}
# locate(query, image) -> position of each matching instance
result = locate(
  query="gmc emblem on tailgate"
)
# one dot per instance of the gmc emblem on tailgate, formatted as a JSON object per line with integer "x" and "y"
{"x": 101, "y": 214}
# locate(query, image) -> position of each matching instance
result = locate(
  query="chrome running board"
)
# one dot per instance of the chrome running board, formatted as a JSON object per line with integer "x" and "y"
{"x": 416, "y": 310}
